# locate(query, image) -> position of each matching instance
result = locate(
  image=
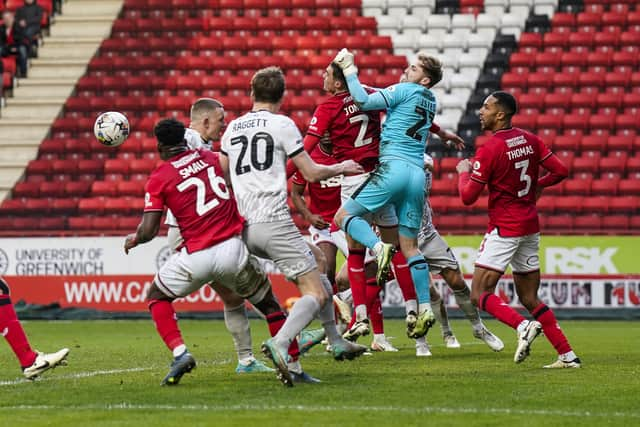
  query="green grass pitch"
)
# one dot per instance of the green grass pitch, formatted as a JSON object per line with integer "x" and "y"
{"x": 115, "y": 368}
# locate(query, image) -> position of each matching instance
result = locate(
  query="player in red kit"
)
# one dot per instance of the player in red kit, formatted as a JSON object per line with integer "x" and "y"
{"x": 355, "y": 135}
{"x": 190, "y": 183}
{"x": 508, "y": 164}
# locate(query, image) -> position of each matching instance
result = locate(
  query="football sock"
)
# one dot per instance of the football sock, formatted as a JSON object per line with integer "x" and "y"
{"x": 440, "y": 313}
{"x": 500, "y": 310}
{"x": 551, "y": 329}
{"x": 463, "y": 299}
{"x": 275, "y": 322}
{"x": 374, "y": 307}
{"x": 12, "y": 330}
{"x": 166, "y": 320}
{"x": 357, "y": 279}
{"x": 327, "y": 313}
{"x": 420, "y": 275}
{"x": 238, "y": 326}
{"x": 346, "y": 296}
{"x": 302, "y": 313}
{"x": 360, "y": 231}
{"x": 403, "y": 276}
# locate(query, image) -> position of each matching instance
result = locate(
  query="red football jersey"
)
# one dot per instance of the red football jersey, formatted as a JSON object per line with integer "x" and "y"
{"x": 508, "y": 162}
{"x": 324, "y": 196}
{"x": 354, "y": 134}
{"x": 192, "y": 187}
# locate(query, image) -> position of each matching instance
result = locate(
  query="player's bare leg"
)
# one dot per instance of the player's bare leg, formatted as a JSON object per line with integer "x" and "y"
{"x": 462, "y": 294}
{"x": 527, "y": 288}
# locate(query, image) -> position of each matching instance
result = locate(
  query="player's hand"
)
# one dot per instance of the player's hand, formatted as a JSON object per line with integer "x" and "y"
{"x": 464, "y": 166}
{"x": 317, "y": 222}
{"x": 428, "y": 162}
{"x": 452, "y": 140}
{"x": 130, "y": 242}
{"x": 345, "y": 61}
{"x": 349, "y": 167}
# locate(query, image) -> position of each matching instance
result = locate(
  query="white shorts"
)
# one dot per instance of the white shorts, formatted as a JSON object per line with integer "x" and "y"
{"x": 320, "y": 236}
{"x": 228, "y": 263}
{"x": 436, "y": 252}
{"x": 282, "y": 243}
{"x": 385, "y": 217}
{"x": 496, "y": 253}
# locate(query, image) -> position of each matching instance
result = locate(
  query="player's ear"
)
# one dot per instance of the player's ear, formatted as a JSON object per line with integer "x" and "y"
{"x": 425, "y": 81}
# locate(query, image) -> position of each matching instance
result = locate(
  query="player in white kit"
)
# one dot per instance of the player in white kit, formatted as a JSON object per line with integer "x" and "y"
{"x": 207, "y": 122}
{"x": 255, "y": 148}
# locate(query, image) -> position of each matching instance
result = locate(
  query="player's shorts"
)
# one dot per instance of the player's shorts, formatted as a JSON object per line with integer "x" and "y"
{"x": 174, "y": 238}
{"x": 397, "y": 183}
{"x": 384, "y": 217}
{"x": 228, "y": 263}
{"x": 436, "y": 252}
{"x": 320, "y": 236}
{"x": 496, "y": 253}
{"x": 282, "y": 243}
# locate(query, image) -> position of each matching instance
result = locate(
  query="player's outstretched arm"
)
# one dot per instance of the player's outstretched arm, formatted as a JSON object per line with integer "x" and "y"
{"x": 366, "y": 101}
{"x": 313, "y": 172}
{"x": 147, "y": 230}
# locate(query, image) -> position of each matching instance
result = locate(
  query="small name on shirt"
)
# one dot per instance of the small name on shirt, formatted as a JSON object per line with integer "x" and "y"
{"x": 247, "y": 124}
{"x": 519, "y": 152}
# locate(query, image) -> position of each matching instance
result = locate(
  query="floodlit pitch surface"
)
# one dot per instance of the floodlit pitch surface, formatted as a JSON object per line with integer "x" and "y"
{"x": 115, "y": 369}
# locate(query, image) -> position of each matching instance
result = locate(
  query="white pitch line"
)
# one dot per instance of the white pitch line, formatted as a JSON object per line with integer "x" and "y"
{"x": 307, "y": 408}
{"x": 76, "y": 375}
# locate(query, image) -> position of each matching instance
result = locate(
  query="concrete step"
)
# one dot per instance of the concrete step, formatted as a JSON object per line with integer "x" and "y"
{"x": 92, "y": 7}
{"x": 4, "y": 192}
{"x": 79, "y": 51}
{"x": 44, "y": 88}
{"x": 22, "y": 132}
{"x": 82, "y": 26}
{"x": 57, "y": 68}
{"x": 34, "y": 108}
{"x": 20, "y": 156}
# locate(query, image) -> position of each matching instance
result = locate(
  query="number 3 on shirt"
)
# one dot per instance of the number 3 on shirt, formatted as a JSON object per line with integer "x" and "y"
{"x": 524, "y": 177}
{"x": 217, "y": 185}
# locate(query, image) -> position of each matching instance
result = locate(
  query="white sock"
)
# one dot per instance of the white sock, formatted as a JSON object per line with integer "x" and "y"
{"x": 379, "y": 337}
{"x": 440, "y": 313}
{"x": 568, "y": 357}
{"x": 246, "y": 361}
{"x": 302, "y": 313}
{"x": 346, "y": 296}
{"x": 411, "y": 305}
{"x": 521, "y": 327}
{"x": 237, "y": 324}
{"x": 361, "y": 312}
{"x": 463, "y": 299}
{"x": 423, "y": 306}
{"x": 295, "y": 367}
{"x": 179, "y": 350}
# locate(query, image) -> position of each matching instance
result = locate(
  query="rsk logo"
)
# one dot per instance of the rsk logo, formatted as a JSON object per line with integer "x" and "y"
{"x": 580, "y": 260}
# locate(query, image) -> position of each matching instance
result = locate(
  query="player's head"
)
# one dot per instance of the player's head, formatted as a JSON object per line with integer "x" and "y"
{"x": 170, "y": 136}
{"x": 207, "y": 118}
{"x": 424, "y": 70}
{"x": 267, "y": 85}
{"x": 334, "y": 81}
{"x": 497, "y": 110}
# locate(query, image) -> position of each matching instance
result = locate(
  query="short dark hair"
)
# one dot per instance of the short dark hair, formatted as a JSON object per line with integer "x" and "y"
{"x": 507, "y": 102}
{"x": 338, "y": 74}
{"x": 268, "y": 85}
{"x": 169, "y": 131}
{"x": 432, "y": 67}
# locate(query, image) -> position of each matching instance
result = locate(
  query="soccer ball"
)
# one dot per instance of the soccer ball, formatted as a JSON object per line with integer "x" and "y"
{"x": 111, "y": 128}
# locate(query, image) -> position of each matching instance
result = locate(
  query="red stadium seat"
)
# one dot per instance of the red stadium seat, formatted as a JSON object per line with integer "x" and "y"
{"x": 629, "y": 187}
{"x": 587, "y": 222}
{"x": 559, "y": 222}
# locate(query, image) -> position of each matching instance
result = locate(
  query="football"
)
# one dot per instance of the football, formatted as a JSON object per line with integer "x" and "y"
{"x": 111, "y": 128}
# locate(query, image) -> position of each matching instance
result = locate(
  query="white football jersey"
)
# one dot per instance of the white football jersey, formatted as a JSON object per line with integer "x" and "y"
{"x": 257, "y": 145}
{"x": 194, "y": 142}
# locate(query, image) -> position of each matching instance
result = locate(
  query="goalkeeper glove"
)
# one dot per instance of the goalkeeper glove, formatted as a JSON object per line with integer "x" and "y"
{"x": 344, "y": 59}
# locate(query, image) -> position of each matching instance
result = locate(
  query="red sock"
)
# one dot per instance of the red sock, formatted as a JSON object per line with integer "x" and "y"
{"x": 357, "y": 277}
{"x": 166, "y": 320}
{"x": 551, "y": 329}
{"x": 12, "y": 330}
{"x": 275, "y": 322}
{"x": 374, "y": 307}
{"x": 403, "y": 276}
{"x": 500, "y": 310}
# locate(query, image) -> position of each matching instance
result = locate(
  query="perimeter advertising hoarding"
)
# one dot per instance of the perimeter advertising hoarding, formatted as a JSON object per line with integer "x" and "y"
{"x": 578, "y": 272}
